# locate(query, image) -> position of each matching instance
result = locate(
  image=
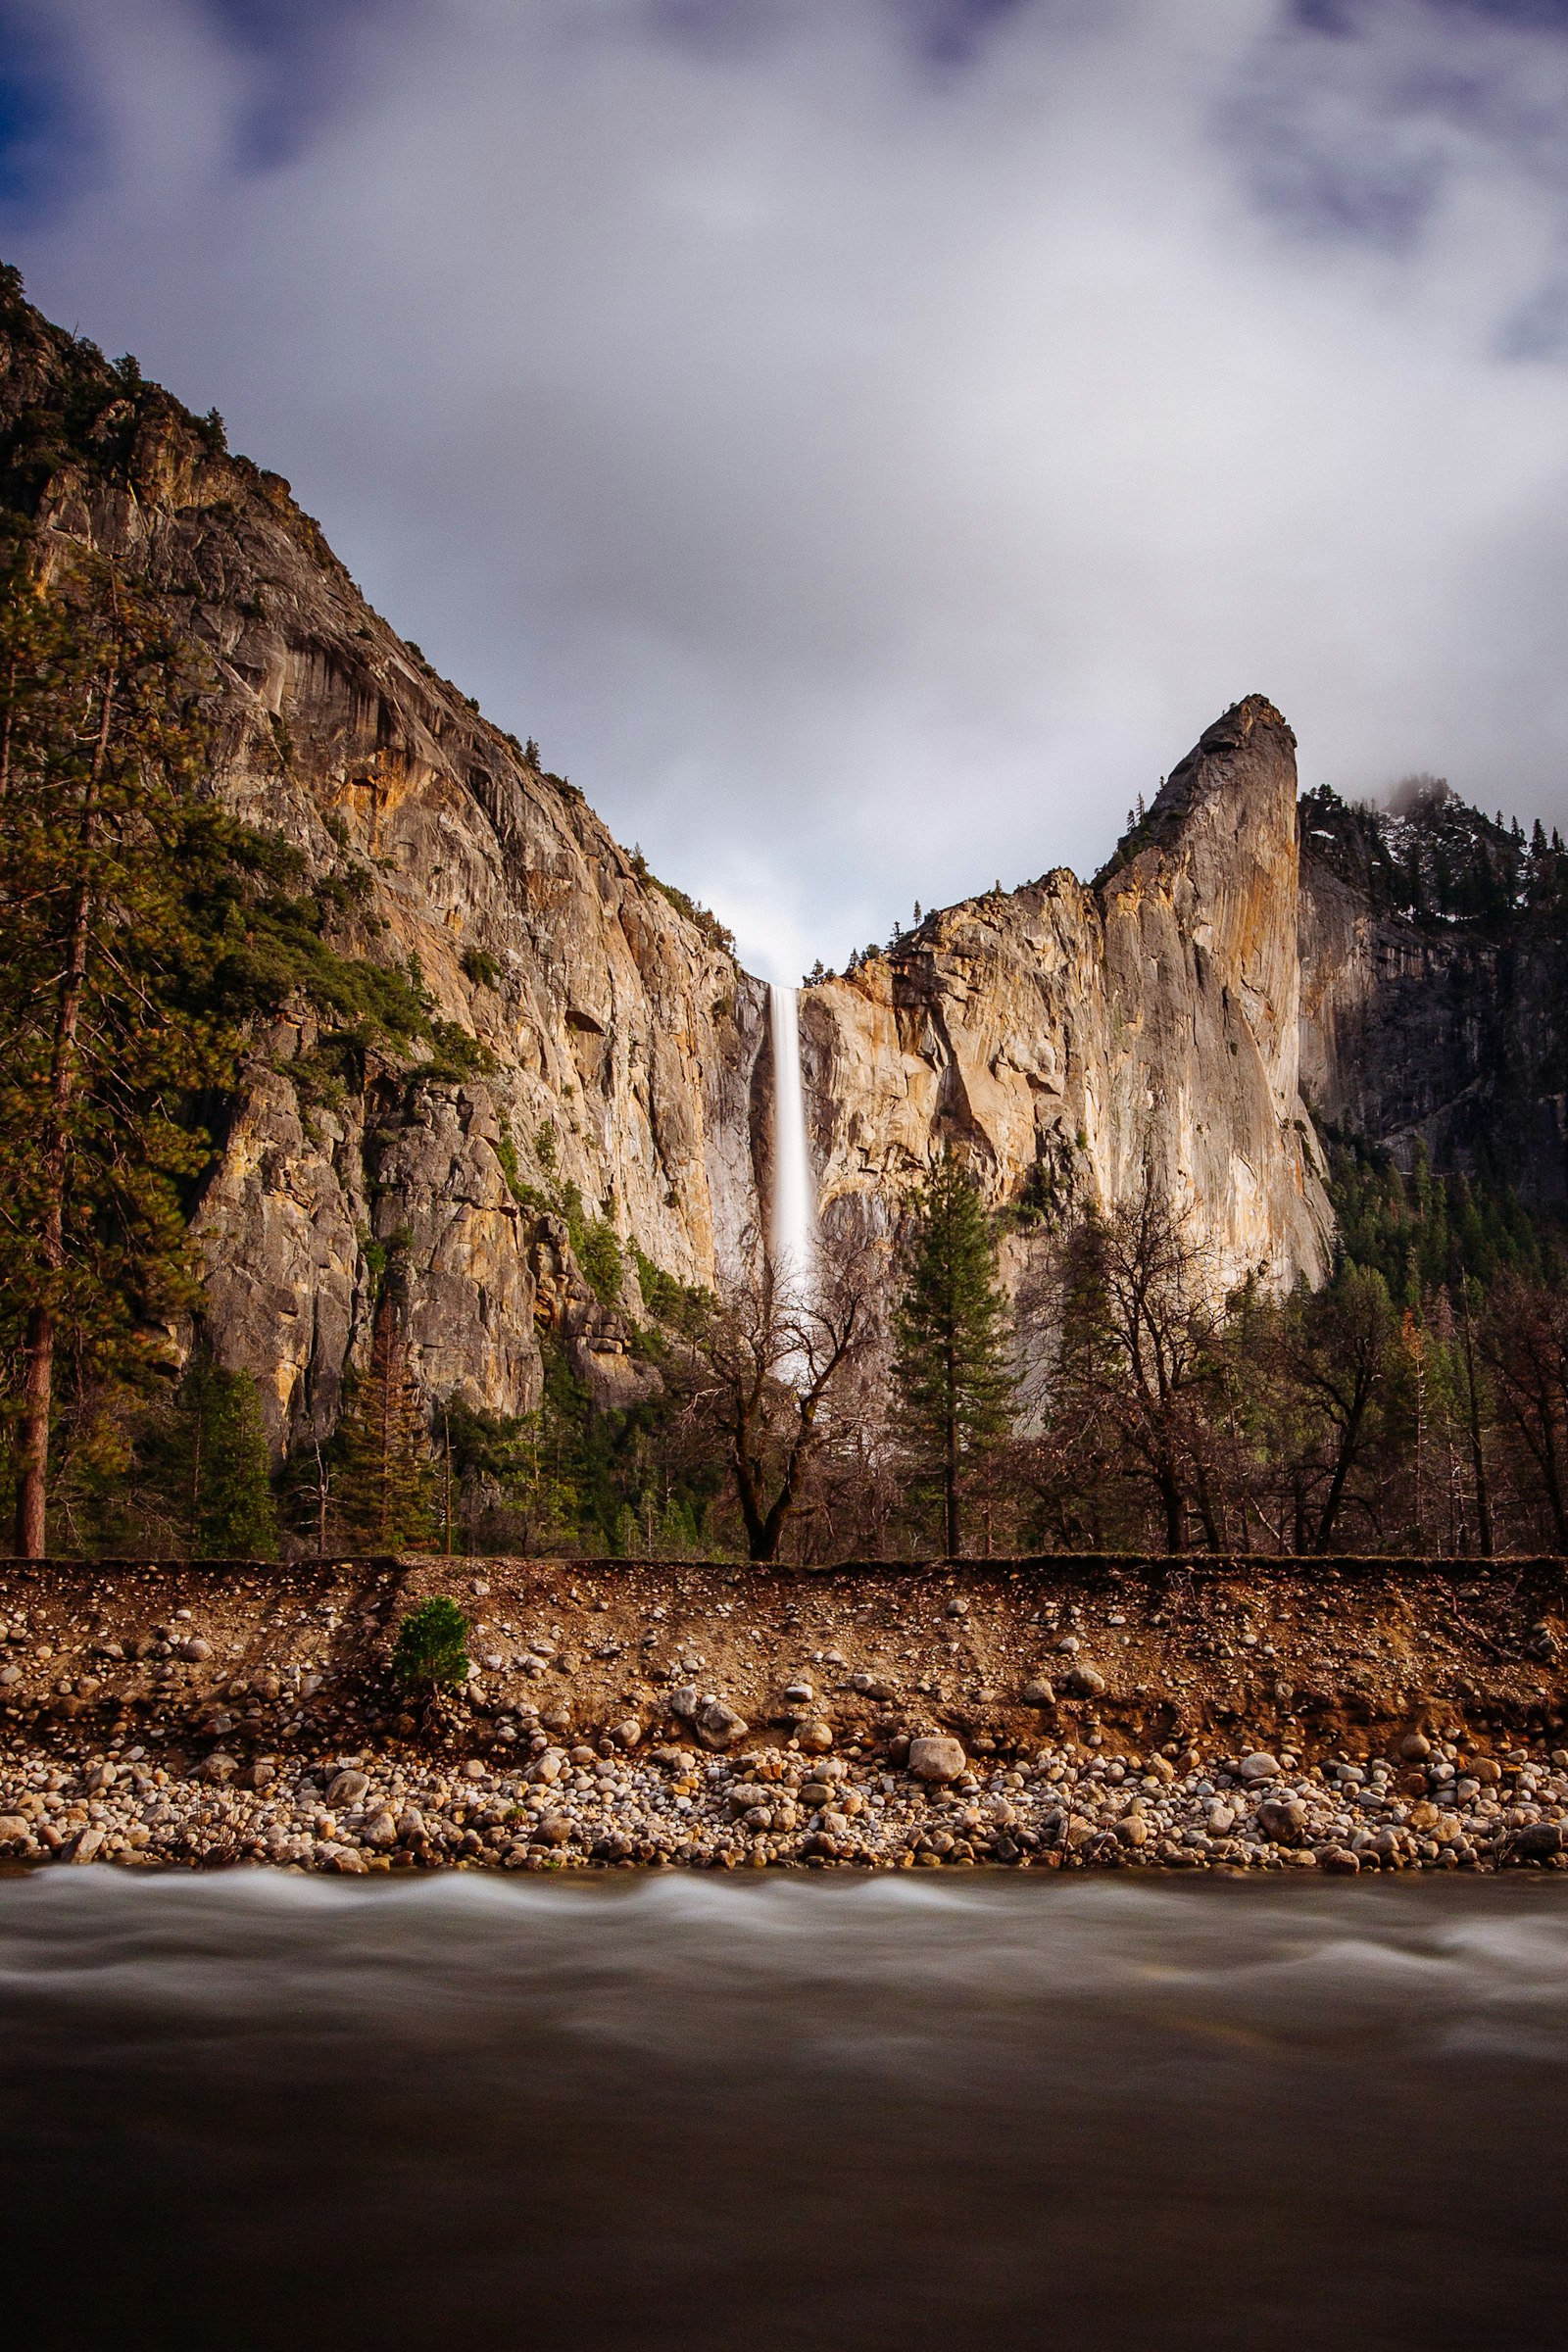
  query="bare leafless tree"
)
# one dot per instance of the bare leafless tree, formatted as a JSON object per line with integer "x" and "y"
{"x": 1524, "y": 1342}
{"x": 766, "y": 1354}
{"x": 1139, "y": 1353}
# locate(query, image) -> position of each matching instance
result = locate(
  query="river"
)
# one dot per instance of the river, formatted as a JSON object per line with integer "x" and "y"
{"x": 691, "y": 2114}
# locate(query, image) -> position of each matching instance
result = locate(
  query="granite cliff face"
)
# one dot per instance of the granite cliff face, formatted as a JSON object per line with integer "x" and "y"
{"x": 1067, "y": 1037}
{"x": 621, "y": 1037}
{"x": 1063, "y": 1037}
{"x": 1449, "y": 1037}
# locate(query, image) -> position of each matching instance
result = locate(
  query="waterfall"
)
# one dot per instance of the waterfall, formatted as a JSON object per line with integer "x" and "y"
{"x": 793, "y": 1205}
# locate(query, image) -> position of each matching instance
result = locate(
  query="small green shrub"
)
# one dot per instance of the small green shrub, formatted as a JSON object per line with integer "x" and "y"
{"x": 599, "y": 1256}
{"x": 431, "y": 1651}
{"x": 675, "y": 1303}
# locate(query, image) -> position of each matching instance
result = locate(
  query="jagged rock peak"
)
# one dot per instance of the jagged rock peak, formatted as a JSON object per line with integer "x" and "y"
{"x": 1247, "y": 759}
{"x": 1070, "y": 1040}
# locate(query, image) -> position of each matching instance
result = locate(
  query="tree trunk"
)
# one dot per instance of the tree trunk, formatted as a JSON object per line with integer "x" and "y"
{"x": 38, "y": 1379}
{"x": 760, "y": 1542}
{"x": 32, "y": 1445}
{"x": 1345, "y": 1462}
{"x": 949, "y": 1488}
{"x": 1478, "y": 1452}
{"x": 1170, "y": 1496}
{"x": 1552, "y": 1477}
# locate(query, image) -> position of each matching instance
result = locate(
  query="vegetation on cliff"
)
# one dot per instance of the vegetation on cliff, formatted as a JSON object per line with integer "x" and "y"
{"x": 148, "y": 936}
{"x": 160, "y": 955}
{"x": 1431, "y": 857}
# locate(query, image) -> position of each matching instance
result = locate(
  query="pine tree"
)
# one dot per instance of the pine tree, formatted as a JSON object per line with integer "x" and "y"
{"x": 223, "y": 1485}
{"x": 383, "y": 1484}
{"x": 431, "y": 1651}
{"x": 952, "y": 1328}
{"x": 101, "y": 1050}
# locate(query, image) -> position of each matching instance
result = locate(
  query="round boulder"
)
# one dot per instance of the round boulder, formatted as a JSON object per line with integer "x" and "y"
{"x": 1282, "y": 1819}
{"x": 937, "y": 1759}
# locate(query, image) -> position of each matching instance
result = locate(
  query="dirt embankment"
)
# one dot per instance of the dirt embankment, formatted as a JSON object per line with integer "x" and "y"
{"x": 1345, "y": 1656}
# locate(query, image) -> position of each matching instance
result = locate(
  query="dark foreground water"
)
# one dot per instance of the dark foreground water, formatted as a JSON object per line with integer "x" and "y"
{"x": 876, "y": 2116}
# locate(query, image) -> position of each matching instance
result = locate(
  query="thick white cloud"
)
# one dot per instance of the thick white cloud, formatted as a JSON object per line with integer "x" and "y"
{"x": 866, "y": 475}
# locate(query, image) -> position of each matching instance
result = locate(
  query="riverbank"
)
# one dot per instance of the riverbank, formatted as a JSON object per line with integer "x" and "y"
{"x": 1037, "y": 1714}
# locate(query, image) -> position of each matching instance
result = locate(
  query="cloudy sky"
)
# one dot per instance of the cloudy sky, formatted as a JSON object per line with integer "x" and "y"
{"x": 866, "y": 440}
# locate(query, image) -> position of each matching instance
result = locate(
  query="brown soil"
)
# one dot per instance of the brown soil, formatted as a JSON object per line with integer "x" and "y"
{"x": 1222, "y": 1654}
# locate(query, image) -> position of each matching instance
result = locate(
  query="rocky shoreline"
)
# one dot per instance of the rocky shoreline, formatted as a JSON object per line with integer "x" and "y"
{"x": 1233, "y": 1716}
{"x": 937, "y": 1807}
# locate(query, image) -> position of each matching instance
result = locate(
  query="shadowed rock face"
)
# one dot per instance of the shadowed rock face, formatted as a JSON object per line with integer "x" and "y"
{"x": 1419, "y": 1035}
{"x": 1066, "y": 1037}
{"x": 1062, "y": 1037}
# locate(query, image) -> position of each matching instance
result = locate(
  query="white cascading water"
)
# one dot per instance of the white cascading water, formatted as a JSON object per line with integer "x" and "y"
{"x": 793, "y": 1205}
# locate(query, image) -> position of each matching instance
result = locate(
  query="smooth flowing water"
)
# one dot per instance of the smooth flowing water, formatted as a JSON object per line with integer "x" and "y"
{"x": 672, "y": 2114}
{"x": 793, "y": 1223}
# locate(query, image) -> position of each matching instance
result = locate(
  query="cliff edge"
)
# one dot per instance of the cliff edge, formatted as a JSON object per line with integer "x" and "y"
{"x": 1074, "y": 1038}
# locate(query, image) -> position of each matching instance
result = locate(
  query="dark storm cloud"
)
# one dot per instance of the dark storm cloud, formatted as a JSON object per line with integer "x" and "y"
{"x": 865, "y": 440}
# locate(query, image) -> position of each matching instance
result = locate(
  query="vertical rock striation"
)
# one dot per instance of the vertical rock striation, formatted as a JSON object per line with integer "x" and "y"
{"x": 619, "y": 1034}
{"x": 1069, "y": 1037}
{"x": 1066, "y": 1038}
{"x": 1446, "y": 1036}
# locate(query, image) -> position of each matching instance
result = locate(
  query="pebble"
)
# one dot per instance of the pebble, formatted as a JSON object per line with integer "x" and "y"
{"x": 927, "y": 1802}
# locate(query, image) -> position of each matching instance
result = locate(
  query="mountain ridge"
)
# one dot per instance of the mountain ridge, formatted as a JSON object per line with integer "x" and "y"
{"x": 1072, "y": 1041}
